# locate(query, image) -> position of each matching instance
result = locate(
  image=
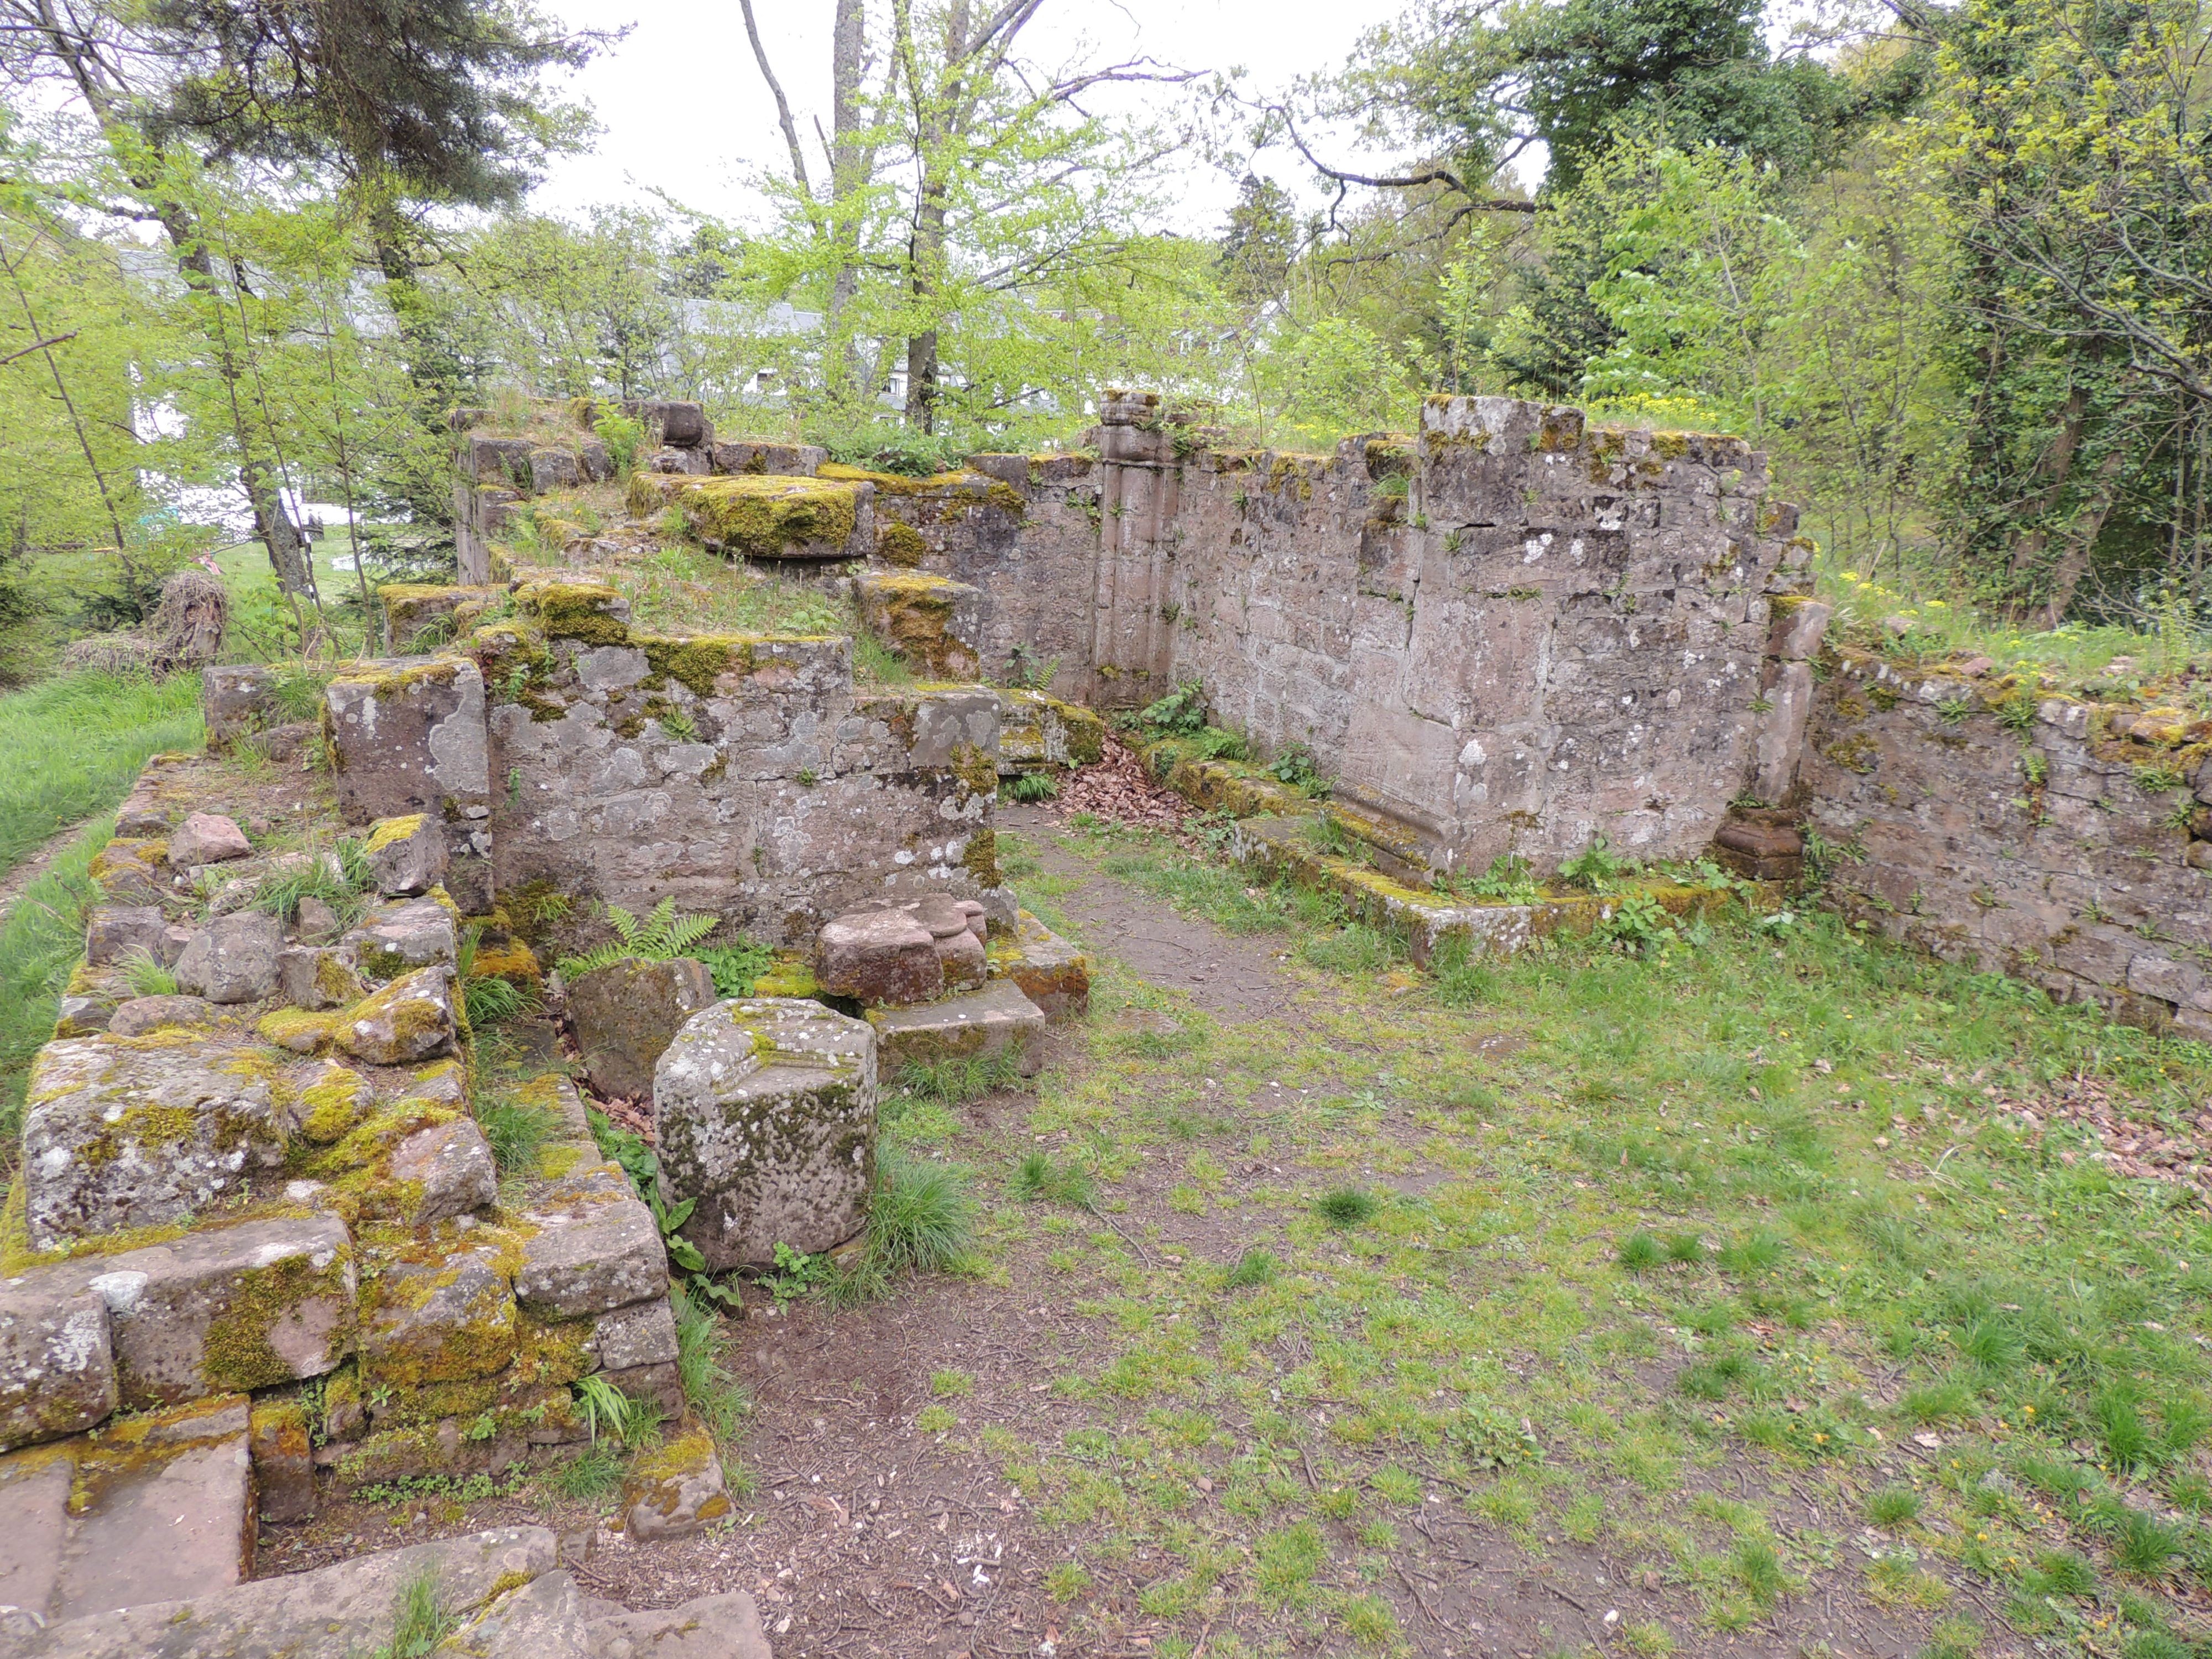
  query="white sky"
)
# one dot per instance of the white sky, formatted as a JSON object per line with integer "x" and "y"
{"x": 682, "y": 107}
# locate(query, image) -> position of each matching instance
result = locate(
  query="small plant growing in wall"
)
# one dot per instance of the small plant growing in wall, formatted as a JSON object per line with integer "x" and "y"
{"x": 660, "y": 936}
{"x": 1596, "y": 868}
{"x": 1181, "y": 712}
{"x": 1295, "y": 767}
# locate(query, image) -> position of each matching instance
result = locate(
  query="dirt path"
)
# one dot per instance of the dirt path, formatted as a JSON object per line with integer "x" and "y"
{"x": 17, "y": 881}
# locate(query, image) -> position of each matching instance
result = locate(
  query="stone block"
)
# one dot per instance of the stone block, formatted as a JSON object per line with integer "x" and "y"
{"x": 626, "y": 1014}
{"x": 167, "y": 1511}
{"x": 1036, "y": 730}
{"x": 932, "y": 621}
{"x": 57, "y": 1359}
{"x": 316, "y": 977}
{"x": 755, "y": 517}
{"x": 236, "y": 702}
{"x": 120, "y": 1136}
{"x": 674, "y": 1491}
{"x": 231, "y": 960}
{"x": 405, "y": 933}
{"x": 1050, "y": 972}
{"x": 407, "y": 855}
{"x": 208, "y": 838}
{"x": 280, "y": 1442}
{"x": 444, "y": 1169}
{"x": 643, "y": 1334}
{"x": 410, "y": 1019}
{"x": 541, "y": 1619}
{"x": 113, "y": 933}
{"x": 767, "y": 1114}
{"x": 446, "y": 1319}
{"x": 1798, "y": 628}
{"x": 228, "y": 1309}
{"x": 407, "y": 736}
{"x": 144, "y": 1014}
{"x": 997, "y": 1020}
{"x": 724, "y": 1626}
{"x": 34, "y": 1522}
{"x": 342, "y": 1609}
{"x": 883, "y": 957}
{"x": 592, "y": 1256}
{"x": 752, "y": 455}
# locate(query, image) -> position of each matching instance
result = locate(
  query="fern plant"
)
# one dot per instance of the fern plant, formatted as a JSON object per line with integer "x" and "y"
{"x": 660, "y": 936}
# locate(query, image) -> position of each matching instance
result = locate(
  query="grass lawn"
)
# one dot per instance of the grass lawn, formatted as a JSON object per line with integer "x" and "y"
{"x": 1768, "y": 1263}
{"x": 40, "y": 940}
{"x": 73, "y": 744}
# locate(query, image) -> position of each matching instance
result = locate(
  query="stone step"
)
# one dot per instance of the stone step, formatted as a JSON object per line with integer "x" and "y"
{"x": 344, "y": 1609}
{"x": 996, "y": 1019}
{"x": 725, "y": 1627}
{"x": 163, "y": 1511}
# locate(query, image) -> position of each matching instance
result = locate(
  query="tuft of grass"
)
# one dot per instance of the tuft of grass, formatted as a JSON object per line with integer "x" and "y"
{"x": 1029, "y": 787}
{"x": 2143, "y": 1544}
{"x": 515, "y": 1130}
{"x": 592, "y": 1476}
{"x": 922, "y": 1218}
{"x": 951, "y": 1385}
{"x": 338, "y": 876}
{"x": 1346, "y": 1206}
{"x": 2065, "y": 1572}
{"x": 1253, "y": 1268}
{"x": 1686, "y": 1249}
{"x": 1037, "y": 1177}
{"x": 606, "y": 1408}
{"x": 419, "y": 1621}
{"x": 714, "y": 1397}
{"x": 1893, "y": 1506}
{"x": 146, "y": 975}
{"x": 957, "y": 1082}
{"x": 1639, "y": 1253}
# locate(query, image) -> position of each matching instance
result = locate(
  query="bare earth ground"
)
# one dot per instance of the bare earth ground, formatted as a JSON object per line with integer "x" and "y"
{"x": 904, "y": 1504}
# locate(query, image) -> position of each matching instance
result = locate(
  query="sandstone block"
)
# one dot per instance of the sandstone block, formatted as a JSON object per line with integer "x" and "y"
{"x": 331, "y": 1103}
{"x": 114, "y": 932}
{"x": 1799, "y": 626}
{"x": 541, "y": 1620}
{"x": 446, "y": 1169}
{"x": 752, "y": 455}
{"x": 767, "y": 1111}
{"x": 449, "y": 1319}
{"x": 591, "y": 1259}
{"x": 315, "y": 922}
{"x": 283, "y": 1453}
{"x": 878, "y": 957}
{"x": 342, "y": 1609}
{"x": 639, "y": 1335}
{"x": 229, "y": 1310}
{"x": 34, "y": 1521}
{"x": 1051, "y": 972}
{"x": 674, "y": 1491}
{"x": 118, "y": 1136}
{"x": 236, "y": 701}
{"x": 57, "y": 1363}
{"x": 934, "y": 623}
{"x": 142, "y": 1014}
{"x": 628, "y": 1012}
{"x": 996, "y": 1019}
{"x": 208, "y": 838}
{"x": 725, "y": 1627}
{"x": 393, "y": 938}
{"x": 232, "y": 959}
{"x": 407, "y": 855}
{"x": 410, "y": 1019}
{"x": 407, "y": 736}
{"x": 170, "y": 1513}
{"x": 315, "y": 977}
{"x": 680, "y": 423}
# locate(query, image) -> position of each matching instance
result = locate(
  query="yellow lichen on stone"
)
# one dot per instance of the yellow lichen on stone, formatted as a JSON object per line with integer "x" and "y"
{"x": 385, "y": 831}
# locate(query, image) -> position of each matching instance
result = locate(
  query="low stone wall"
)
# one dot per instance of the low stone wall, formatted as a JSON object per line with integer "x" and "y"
{"x": 2062, "y": 842}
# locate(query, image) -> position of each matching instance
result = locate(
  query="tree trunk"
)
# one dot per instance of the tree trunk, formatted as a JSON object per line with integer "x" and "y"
{"x": 2082, "y": 537}
{"x": 847, "y": 166}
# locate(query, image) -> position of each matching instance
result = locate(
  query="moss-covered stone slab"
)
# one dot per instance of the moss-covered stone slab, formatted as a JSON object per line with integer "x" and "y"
{"x": 418, "y": 616}
{"x": 997, "y": 1020}
{"x": 437, "y": 1314}
{"x": 765, "y": 517}
{"x": 141, "y": 1131}
{"x": 1036, "y": 730}
{"x": 934, "y": 623}
{"x": 675, "y": 1490}
{"x": 767, "y": 1112}
{"x": 410, "y": 1019}
{"x": 56, "y": 1363}
{"x": 229, "y": 1310}
{"x": 1051, "y": 972}
{"x": 405, "y": 933}
{"x": 407, "y": 855}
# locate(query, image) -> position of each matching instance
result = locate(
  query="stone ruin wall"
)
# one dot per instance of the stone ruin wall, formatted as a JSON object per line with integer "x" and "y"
{"x": 2063, "y": 842}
